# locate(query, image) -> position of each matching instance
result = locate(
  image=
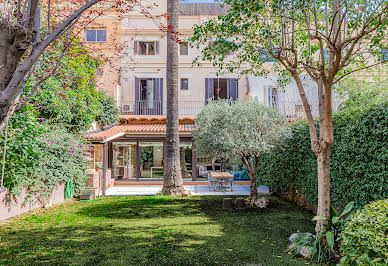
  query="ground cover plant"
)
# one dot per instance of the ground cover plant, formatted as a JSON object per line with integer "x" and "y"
{"x": 154, "y": 231}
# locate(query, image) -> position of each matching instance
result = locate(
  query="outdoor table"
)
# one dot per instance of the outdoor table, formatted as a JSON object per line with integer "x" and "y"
{"x": 222, "y": 180}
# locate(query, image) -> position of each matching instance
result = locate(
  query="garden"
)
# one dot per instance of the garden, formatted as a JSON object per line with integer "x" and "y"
{"x": 154, "y": 231}
{"x": 327, "y": 173}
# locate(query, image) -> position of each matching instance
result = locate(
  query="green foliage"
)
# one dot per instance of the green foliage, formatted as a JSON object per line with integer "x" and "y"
{"x": 39, "y": 156}
{"x": 365, "y": 238}
{"x": 358, "y": 159}
{"x": 251, "y": 34}
{"x": 69, "y": 97}
{"x": 227, "y": 129}
{"x": 108, "y": 113}
{"x": 326, "y": 245}
{"x": 361, "y": 93}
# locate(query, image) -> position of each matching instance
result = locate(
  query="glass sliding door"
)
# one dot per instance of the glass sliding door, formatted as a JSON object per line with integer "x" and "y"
{"x": 186, "y": 159}
{"x": 151, "y": 159}
{"x": 124, "y": 160}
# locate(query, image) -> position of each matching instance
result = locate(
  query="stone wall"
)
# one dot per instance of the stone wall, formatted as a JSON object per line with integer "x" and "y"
{"x": 18, "y": 206}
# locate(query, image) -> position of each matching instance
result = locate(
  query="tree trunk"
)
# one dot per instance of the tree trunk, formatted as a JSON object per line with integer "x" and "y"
{"x": 172, "y": 180}
{"x": 323, "y": 156}
{"x": 252, "y": 173}
{"x": 323, "y": 162}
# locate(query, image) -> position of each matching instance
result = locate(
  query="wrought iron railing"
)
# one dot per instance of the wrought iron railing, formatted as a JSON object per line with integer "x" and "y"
{"x": 293, "y": 110}
{"x": 159, "y": 107}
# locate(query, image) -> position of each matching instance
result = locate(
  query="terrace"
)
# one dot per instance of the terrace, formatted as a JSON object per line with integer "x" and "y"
{"x": 293, "y": 110}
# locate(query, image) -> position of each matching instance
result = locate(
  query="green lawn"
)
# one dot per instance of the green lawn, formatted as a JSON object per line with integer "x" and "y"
{"x": 154, "y": 230}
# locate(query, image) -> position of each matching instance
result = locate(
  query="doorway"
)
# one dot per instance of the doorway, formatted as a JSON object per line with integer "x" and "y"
{"x": 151, "y": 159}
{"x": 220, "y": 88}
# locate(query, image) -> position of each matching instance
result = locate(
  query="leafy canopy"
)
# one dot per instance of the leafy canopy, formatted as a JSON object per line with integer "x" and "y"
{"x": 306, "y": 36}
{"x": 70, "y": 97}
{"x": 238, "y": 129}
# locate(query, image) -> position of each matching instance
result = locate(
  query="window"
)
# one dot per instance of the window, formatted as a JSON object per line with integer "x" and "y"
{"x": 384, "y": 54}
{"x": 146, "y": 47}
{"x": 183, "y": 48}
{"x": 184, "y": 84}
{"x": 273, "y": 97}
{"x": 95, "y": 35}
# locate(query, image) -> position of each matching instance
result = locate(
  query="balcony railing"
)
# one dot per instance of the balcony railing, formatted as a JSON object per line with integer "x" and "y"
{"x": 290, "y": 109}
{"x": 159, "y": 107}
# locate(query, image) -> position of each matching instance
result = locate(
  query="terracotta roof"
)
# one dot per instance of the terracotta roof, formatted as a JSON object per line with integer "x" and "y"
{"x": 138, "y": 127}
{"x": 153, "y": 120}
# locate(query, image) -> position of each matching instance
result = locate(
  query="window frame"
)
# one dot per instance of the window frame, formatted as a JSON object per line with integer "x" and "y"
{"x": 138, "y": 49}
{"x": 188, "y": 49}
{"x": 181, "y": 84}
{"x": 95, "y": 30}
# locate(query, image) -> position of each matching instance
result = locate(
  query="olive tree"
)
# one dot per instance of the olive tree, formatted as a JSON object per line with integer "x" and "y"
{"x": 239, "y": 129}
{"x": 324, "y": 39}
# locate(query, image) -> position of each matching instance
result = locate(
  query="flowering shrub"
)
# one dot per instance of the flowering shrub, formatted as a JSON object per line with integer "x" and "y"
{"x": 39, "y": 156}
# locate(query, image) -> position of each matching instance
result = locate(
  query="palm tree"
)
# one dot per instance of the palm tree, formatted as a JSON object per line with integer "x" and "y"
{"x": 172, "y": 179}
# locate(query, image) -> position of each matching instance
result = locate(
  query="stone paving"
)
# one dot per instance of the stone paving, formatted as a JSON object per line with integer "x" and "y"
{"x": 149, "y": 190}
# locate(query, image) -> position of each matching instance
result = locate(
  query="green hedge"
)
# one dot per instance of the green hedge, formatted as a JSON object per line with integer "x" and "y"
{"x": 359, "y": 159}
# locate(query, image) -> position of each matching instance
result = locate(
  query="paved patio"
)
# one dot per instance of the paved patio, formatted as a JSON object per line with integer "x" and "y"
{"x": 149, "y": 190}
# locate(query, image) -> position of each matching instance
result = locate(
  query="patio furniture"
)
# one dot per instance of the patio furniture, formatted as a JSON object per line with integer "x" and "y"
{"x": 220, "y": 180}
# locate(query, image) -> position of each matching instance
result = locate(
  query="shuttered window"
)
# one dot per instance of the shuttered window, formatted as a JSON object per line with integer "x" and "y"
{"x": 146, "y": 47}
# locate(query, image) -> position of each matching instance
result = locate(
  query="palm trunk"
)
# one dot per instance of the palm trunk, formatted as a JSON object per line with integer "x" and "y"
{"x": 172, "y": 180}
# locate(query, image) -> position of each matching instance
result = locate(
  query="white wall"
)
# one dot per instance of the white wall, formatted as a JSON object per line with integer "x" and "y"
{"x": 288, "y": 95}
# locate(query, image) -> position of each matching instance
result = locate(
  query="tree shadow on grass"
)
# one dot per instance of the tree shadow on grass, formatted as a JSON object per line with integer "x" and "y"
{"x": 159, "y": 231}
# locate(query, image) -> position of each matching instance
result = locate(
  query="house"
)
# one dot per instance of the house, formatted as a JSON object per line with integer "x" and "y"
{"x": 135, "y": 77}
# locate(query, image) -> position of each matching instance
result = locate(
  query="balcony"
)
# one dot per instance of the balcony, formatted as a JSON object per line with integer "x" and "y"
{"x": 186, "y": 108}
{"x": 290, "y": 109}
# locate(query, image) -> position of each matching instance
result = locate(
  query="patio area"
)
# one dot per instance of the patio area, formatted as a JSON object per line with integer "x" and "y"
{"x": 200, "y": 189}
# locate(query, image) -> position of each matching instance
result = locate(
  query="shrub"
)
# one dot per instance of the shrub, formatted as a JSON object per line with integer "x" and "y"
{"x": 358, "y": 160}
{"x": 365, "y": 238}
{"x": 39, "y": 156}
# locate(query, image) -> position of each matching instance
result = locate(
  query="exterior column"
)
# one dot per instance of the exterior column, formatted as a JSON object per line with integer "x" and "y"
{"x": 104, "y": 167}
{"x": 138, "y": 155}
{"x": 193, "y": 161}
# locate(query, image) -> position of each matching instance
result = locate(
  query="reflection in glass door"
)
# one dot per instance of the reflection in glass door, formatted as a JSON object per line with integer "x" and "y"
{"x": 124, "y": 160}
{"x": 151, "y": 159}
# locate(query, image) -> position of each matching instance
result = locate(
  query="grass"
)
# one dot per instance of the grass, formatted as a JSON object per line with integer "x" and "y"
{"x": 154, "y": 231}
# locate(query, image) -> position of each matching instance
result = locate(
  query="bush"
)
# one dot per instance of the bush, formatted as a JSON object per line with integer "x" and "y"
{"x": 358, "y": 160}
{"x": 365, "y": 238}
{"x": 39, "y": 156}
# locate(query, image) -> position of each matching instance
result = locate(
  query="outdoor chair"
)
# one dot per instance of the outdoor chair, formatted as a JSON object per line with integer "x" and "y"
{"x": 211, "y": 182}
